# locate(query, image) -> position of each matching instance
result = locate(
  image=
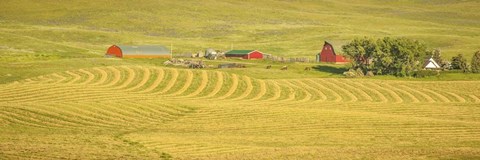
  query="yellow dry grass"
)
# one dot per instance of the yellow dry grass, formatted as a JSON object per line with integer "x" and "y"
{"x": 130, "y": 112}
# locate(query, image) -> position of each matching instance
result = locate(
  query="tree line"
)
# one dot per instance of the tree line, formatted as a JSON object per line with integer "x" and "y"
{"x": 400, "y": 57}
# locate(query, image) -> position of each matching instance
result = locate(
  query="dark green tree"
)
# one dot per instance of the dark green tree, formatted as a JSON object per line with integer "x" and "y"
{"x": 475, "y": 65}
{"x": 395, "y": 56}
{"x": 460, "y": 63}
{"x": 436, "y": 54}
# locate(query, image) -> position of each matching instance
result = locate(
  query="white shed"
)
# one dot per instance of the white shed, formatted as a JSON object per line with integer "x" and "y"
{"x": 431, "y": 64}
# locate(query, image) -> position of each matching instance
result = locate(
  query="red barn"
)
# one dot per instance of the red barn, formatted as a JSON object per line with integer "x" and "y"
{"x": 328, "y": 55}
{"x": 245, "y": 54}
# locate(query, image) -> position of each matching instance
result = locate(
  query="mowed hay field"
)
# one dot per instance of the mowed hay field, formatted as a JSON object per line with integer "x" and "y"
{"x": 146, "y": 112}
{"x": 61, "y": 99}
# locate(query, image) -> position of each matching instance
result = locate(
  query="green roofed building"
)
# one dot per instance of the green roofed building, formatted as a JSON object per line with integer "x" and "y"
{"x": 244, "y": 54}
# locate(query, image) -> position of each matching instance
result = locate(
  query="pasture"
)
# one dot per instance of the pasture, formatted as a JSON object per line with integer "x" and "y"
{"x": 61, "y": 99}
{"x": 134, "y": 111}
{"x": 52, "y": 29}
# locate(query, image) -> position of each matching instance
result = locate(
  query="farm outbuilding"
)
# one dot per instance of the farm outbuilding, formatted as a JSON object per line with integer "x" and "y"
{"x": 328, "y": 55}
{"x": 245, "y": 54}
{"x": 431, "y": 64}
{"x": 150, "y": 51}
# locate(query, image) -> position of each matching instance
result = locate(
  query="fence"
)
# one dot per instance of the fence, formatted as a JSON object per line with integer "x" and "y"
{"x": 183, "y": 55}
{"x": 265, "y": 56}
{"x": 284, "y": 60}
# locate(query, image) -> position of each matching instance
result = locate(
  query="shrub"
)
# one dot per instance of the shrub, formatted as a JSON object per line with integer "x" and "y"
{"x": 351, "y": 73}
{"x": 359, "y": 72}
{"x": 370, "y": 74}
{"x": 460, "y": 63}
{"x": 476, "y": 62}
{"x": 165, "y": 156}
{"x": 426, "y": 73}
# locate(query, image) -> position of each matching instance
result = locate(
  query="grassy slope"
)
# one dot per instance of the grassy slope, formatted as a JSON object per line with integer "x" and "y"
{"x": 292, "y": 28}
{"x": 39, "y": 38}
{"x": 52, "y": 30}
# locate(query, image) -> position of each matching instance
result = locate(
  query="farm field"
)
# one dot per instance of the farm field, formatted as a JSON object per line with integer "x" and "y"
{"x": 137, "y": 112}
{"x": 60, "y": 98}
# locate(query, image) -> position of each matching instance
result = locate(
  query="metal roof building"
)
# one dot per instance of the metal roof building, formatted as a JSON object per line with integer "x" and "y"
{"x": 245, "y": 54}
{"x": 145, "y": 51}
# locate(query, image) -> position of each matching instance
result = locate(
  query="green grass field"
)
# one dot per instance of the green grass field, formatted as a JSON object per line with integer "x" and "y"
{"x": 60, "y": 99}
{"x": 291, "y": 28}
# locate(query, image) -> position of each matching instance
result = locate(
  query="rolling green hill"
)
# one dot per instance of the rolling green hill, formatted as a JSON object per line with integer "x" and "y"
{"x": 60, "y": 99}
{"x": 52, "y": 28}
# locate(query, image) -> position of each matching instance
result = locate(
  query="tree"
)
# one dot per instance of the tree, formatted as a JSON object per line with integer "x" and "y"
{"x": 459, "y": 62}
{"x": 436, "y": 54}
{"x": 395, "y": 56}
{"x": 361, "y": 52}
{"x": 475, "y": 65}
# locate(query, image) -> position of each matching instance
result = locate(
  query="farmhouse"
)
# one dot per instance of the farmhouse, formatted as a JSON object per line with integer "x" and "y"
{"x": 245, "y": 54}
{"x": 139, "y": 51}
{"x": 328, "y": 55}
{"x": 431, "y": 64}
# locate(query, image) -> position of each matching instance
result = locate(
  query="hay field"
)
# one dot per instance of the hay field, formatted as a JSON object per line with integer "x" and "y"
{"x": 146, "y": 112}
{"x": 60, "y": 99}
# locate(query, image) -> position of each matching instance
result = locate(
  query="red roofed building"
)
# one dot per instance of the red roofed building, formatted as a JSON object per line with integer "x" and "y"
{"x": 328, "y": 55}
{"x": 245, "y": 54}
{"x": 152, "y": 51}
